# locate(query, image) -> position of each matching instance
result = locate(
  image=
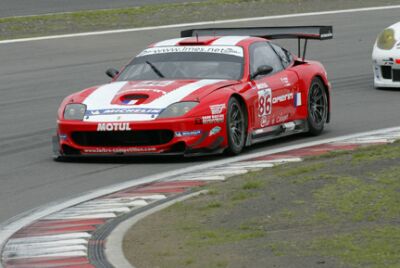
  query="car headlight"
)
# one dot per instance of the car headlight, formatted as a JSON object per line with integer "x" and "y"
{"x": 386, "y": 39}
{"x": 74, "y": 111}
{"x": 178, "y": 109}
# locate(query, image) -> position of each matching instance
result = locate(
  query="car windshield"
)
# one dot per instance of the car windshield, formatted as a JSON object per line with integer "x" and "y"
{"x": 186, "y": 62}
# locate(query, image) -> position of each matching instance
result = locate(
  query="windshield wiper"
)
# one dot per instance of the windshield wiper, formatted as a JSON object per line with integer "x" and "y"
{"x": 154, "y": 68}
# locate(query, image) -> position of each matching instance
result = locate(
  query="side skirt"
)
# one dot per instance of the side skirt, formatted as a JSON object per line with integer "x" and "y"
{"x": 274, "y": 132}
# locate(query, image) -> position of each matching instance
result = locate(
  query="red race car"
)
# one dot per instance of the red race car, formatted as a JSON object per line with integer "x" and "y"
{"x": 210, "y": 91}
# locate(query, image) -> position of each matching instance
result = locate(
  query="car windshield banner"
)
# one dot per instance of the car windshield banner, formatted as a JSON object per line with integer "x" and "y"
{"x": 227, "y": 50}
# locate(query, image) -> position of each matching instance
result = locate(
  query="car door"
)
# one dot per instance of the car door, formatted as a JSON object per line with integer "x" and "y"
{"x": 274, "y": 104}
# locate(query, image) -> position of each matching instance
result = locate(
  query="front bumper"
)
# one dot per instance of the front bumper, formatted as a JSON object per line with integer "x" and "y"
{"x": 386, "y": 67}
{"x": 190, "y": 137}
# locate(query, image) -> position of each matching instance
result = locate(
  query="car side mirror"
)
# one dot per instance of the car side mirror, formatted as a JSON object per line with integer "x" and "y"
{"x": 262, "y": 70}
{"x": 112, "y": 72}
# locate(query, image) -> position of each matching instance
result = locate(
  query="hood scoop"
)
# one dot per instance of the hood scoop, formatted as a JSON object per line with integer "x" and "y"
{"x": 133, "y": 99}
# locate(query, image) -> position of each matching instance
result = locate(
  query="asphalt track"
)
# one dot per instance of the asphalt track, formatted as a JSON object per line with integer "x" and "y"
{"x": 10, "y": 8}
{"x": 35, "y": 76}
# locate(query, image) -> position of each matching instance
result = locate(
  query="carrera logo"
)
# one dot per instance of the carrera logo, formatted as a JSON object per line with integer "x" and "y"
{"x": 282, "y": 98}
{"x": 113, "y": 127}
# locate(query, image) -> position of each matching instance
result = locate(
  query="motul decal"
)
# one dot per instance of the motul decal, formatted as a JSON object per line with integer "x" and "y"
{"x": 113, "y": 127}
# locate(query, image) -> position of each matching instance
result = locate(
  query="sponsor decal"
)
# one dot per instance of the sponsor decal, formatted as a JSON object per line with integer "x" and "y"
{"x": 264, "y": 102}
{"x": 217, "y": 109}
{"x": 63, "y": 137}
{"x": 326, "y": 35}
{"x": 388, "y": 61}
{"x": 212, "y": 119}
{"x": 141, "y": 90}
{"x": 264, "y": 121}
{"x": 151, "y": 83}
{"x": 282, "y": 98}
{"x": 113, "y": 127}
{"x": 281, "y": 118}
{"x": 123, "y": 111}
{"x": 215, "y": 130}
{"x": 121, "y": 150}
{"x": 187, "y": 133}
{"x": 285, "y": 81}
{"x": 297, "y": 100}
{"x": 262, "y": 85}
{"x": 227, "y": 50}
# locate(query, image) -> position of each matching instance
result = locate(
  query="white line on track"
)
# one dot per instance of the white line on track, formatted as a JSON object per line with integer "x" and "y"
{"x": 11, "y": 41}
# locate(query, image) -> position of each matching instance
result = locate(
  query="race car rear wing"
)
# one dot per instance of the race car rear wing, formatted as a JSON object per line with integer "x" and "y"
{"x": 286, "y": 32}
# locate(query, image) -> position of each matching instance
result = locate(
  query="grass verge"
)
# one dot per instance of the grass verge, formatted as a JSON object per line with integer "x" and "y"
{"x": 340, "y": 210}
{"x": 161, "y": 14}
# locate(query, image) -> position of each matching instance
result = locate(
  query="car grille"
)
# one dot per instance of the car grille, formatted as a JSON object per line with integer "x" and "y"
{"x": 123, "y": 138}
{"x": 386, "y": 72}
{"x": 396, "y": 75}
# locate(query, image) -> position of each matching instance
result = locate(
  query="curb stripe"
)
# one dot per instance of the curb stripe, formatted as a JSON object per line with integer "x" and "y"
{"x": 71, "y": 231}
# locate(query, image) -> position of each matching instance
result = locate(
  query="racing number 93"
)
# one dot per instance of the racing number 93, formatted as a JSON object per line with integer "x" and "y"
{"x": 264, "y": 102}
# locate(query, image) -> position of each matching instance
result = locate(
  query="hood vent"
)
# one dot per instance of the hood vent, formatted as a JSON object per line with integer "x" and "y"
{"x": 134, "y": 99}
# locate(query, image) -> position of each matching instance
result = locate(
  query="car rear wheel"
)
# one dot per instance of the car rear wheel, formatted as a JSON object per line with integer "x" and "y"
{"x": 317, "y": 107}
{"x": 236, "y": 127}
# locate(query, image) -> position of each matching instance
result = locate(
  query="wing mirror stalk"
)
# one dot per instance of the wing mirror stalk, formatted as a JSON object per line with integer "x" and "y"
{"x": 112, "y": 72}
{"x": 262, "y": 70}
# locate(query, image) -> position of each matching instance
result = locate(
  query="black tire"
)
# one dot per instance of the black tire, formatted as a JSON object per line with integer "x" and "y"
{"x": 236, "y": 123}
{"x": 317, "y": 107}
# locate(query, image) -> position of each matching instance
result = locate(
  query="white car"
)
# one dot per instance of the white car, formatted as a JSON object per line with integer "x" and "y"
{"x": 386, "y": 58}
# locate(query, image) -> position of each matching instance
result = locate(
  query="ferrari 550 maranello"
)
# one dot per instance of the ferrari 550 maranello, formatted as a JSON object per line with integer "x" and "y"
{"x": 210, "y": 91}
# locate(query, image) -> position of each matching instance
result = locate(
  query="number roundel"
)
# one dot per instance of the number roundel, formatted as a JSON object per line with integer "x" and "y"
{"x": 264, "y": 102}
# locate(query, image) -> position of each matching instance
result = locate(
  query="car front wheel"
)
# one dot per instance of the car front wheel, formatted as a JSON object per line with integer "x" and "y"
{"x": 236, "y": 127}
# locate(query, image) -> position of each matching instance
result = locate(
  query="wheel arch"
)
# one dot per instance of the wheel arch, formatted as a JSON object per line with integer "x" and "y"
{"x": 326, "y": 88}
{"x": 244, "y": 105}
{"x": 247, "y": 113}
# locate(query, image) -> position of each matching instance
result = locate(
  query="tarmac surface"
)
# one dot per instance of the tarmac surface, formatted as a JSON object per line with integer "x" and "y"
{"x": 36, "y": 76}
